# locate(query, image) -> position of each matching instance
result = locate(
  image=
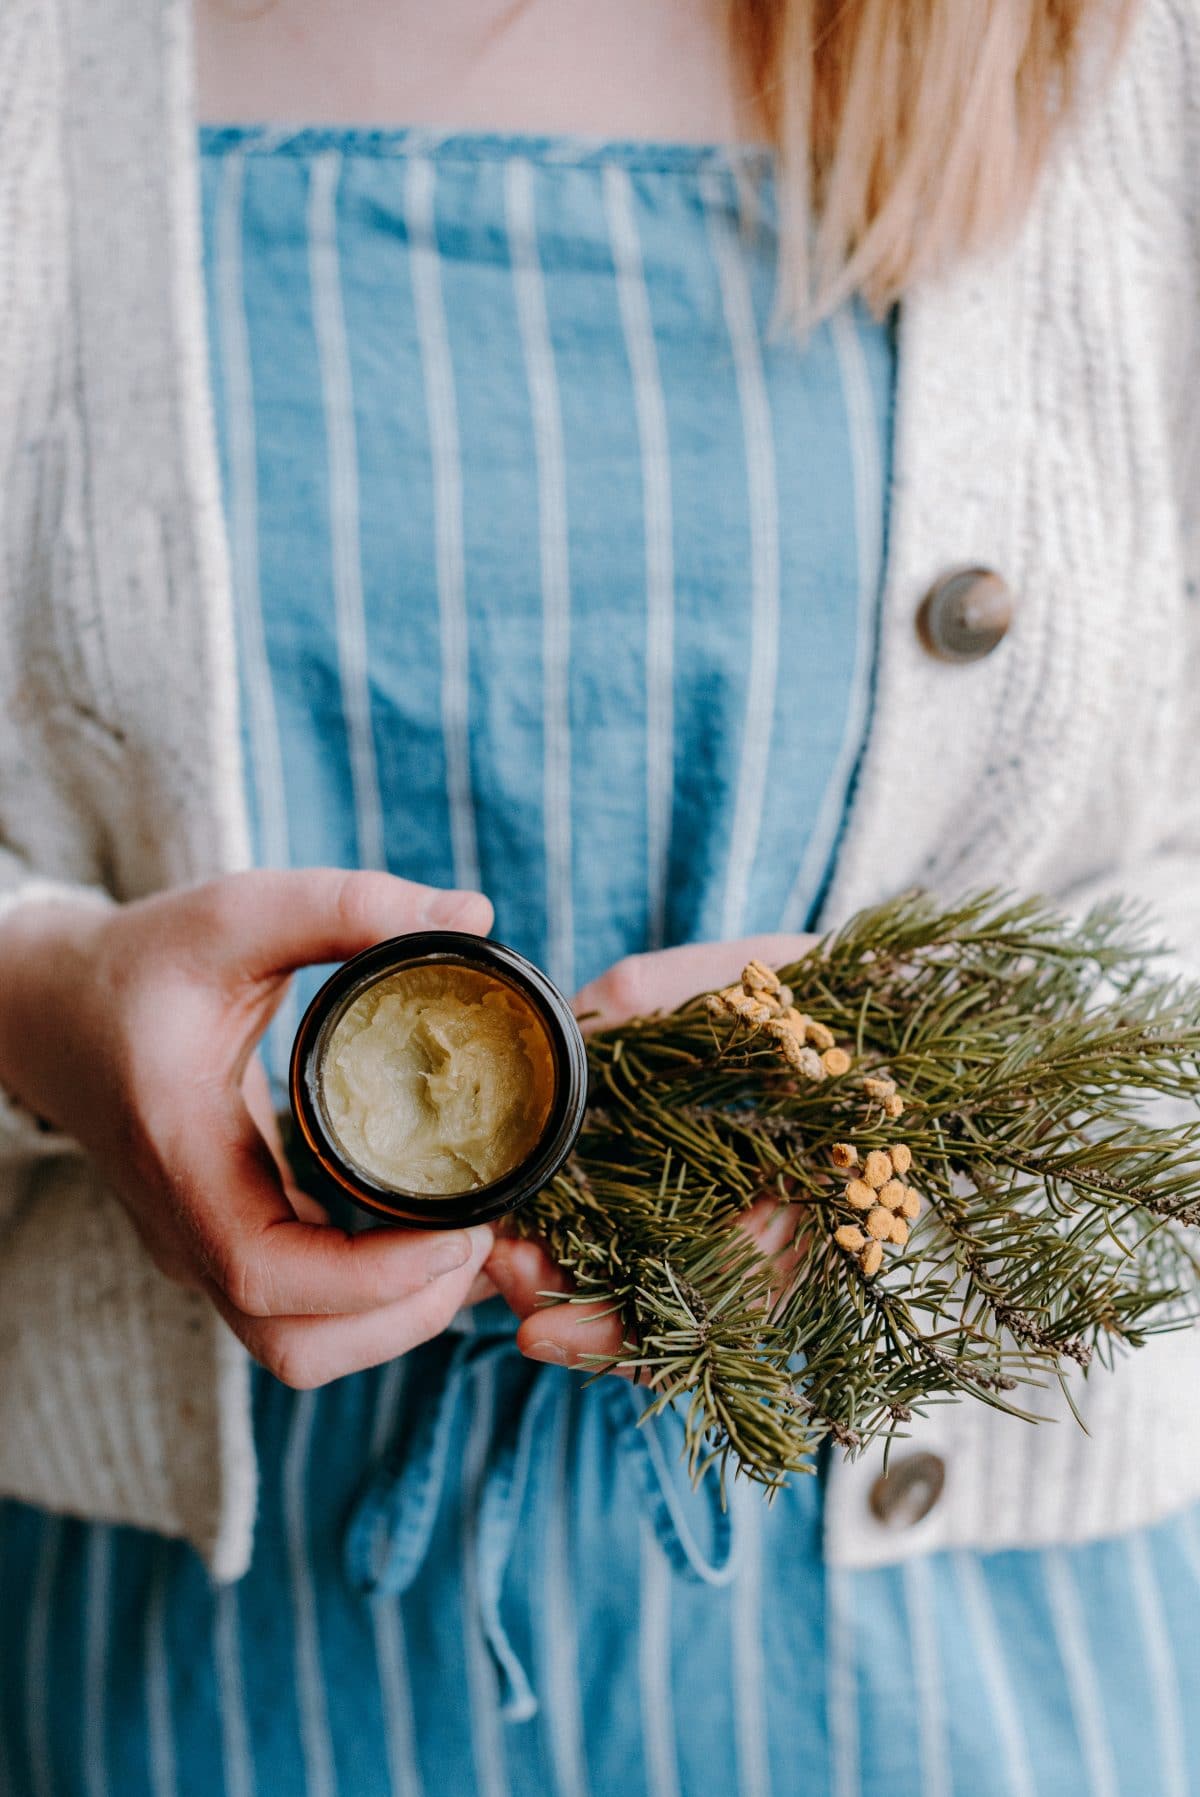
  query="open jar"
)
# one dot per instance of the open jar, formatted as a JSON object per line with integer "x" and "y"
{"x": 438, "y": 1080}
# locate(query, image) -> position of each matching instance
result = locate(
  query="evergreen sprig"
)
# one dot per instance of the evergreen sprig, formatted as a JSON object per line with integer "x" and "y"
{"x": 1058, "y": 1222}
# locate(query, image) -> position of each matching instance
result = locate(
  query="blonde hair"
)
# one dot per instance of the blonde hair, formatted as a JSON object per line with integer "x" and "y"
{"x": 909, "y": 132}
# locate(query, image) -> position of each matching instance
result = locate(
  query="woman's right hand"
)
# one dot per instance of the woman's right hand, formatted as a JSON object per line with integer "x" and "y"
{"x": 133, "y": 1030}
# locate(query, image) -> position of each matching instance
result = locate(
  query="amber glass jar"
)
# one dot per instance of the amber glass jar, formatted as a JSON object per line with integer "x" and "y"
{"x": 437, "y": 1080}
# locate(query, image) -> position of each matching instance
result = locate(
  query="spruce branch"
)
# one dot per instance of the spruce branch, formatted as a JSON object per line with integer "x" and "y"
{"x": 952, "y": 1103}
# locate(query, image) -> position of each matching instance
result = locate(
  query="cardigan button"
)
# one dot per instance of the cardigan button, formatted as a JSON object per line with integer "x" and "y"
{"x": 965, "y": 614}
{"x": 905, "y": 1494}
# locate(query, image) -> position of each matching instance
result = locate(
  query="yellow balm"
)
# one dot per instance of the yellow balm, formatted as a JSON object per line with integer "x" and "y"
{"x": 438, "y": 1079}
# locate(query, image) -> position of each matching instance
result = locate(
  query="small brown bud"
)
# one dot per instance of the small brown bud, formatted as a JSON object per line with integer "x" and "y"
{"x": 758, "y": 977}
{"x": 879, "y": 1223}
{"x": 850, "y": 1238}
{"x": 877, "y": 1086}
{"x": 871, "y": 1259}
{"x": 899, "y": 1231}
{"x": 911, "y": 1208}
{"x": 901, "y": 1156}
{"x": 891, "y": 1193}
{"x": 751, "y": 1010}
{"x": 819, "y": 1034}
{"x": 859, "y": 1194}
{"x": 797, "y": 1019}
{"x": 845, "y": 1154}
{"x": 878, "y": 1169}
{"x": 893, "y": 1105}
{"x": 792, "y": 1051}
{"x": 717, "y": 1005}
{"x": 836, "y": 1061}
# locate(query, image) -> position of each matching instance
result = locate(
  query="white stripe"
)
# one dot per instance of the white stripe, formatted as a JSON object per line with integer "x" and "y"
{"x": 160, "y": 1731}
{"x": 654, "y": 1668}
{"x": 391, "y": 1655}
{"x": 1160, "y": 1663}
{"x": 659, "y": 531}
{"x": 750, "y": 1677}
{"x": 387, "y": 1407}
{"x": 441, "y": 404}
{"x": 560, "y": 1658}
{"x": 763, "y": 500}
{"x": 320, "y": 1779}
{"x": 337, "y": 398}
{"x": 266, "y": 751}
{"x": 38, "y": 1683}
{"x": 237, "y": 1753}
{"x": 868, "y": 537}
{"x": 1087, "y": 1707}
{"x": 841, "y": 1691}
{"x": 487, "y": 1730}
{"x": 391, "y": 1649}
{"x": 981, "y": 1620}
{"x": 97, "y": 1622}
{"x": 542, "y": 382}
{"x": 927, "y": 1677}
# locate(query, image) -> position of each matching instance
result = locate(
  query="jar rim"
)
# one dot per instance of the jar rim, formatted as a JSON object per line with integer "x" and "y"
{"x": 329, "y": 1162}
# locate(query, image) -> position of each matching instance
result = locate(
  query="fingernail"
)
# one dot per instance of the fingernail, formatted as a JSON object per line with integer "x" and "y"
{"x": 448, "y": 1255}
{"x": 447, "y": 909}
{"x": 551, "y": 1351}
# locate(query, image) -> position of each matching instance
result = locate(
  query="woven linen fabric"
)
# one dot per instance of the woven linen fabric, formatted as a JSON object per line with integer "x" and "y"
{"x": 473, "y": 1576}
{"x": 556, "y": 570}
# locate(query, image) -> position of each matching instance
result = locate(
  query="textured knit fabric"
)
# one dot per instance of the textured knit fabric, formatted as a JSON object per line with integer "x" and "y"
{"x": 568, "y": 1564}
{"x": 1044, "y": 426}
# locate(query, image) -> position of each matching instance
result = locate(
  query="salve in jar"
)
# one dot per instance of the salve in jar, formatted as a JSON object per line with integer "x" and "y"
{"x": 437, "y": 1079}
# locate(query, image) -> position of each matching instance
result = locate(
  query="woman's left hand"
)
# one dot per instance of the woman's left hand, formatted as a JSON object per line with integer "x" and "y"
{"x": 570, "y": 1334}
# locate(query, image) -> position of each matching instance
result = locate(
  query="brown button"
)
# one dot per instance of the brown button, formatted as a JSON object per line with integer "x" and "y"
{"x": 965, "y": 614}
{"x": 908, "y": 1490}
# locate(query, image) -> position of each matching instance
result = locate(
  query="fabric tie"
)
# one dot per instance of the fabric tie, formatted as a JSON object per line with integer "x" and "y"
{"x": 392, "y": 1522}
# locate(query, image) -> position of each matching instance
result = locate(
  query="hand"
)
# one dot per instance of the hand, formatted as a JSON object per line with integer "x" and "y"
{"x": 133, "y": 1029}
{"x": 569, "y": 1334}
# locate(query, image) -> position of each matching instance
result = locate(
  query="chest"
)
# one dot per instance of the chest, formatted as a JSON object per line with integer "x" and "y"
{"x": 554, "y": 567}
{"x": 623, "y": 69}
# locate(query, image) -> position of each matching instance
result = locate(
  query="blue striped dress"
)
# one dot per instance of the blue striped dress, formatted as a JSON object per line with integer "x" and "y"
{"x": 556, "y": 574}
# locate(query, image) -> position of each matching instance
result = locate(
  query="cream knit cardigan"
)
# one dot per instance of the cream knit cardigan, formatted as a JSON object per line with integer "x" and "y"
{"x": 1047, "y": 426}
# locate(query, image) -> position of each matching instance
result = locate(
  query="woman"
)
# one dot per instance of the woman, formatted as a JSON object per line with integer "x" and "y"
{"x": 523, "y": 557}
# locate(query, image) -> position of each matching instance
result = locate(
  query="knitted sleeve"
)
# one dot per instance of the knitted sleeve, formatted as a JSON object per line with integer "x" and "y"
{"x": 1168, "y": 113}
{"x": 22, "y": 1135}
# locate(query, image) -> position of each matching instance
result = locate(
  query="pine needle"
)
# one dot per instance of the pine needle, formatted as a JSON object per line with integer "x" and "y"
{"x": 1057, "y": 1223}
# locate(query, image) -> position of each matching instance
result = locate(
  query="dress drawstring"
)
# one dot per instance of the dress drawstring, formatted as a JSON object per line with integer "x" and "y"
{"x": 392, "y": 1522}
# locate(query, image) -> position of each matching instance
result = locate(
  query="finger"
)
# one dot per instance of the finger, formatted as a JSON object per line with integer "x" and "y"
{"x": 773, "y": 1227}
{"x": 771, "y": 1224}
{"x": 643, "y": 984}
{"x": 305, "y": 1352}
{"x": 256, "y": 1091}
{"x": 275, "y": 921}
{"x": 480, "y": 1291}
{"x": 576, "y": 1335}
{"x": 564, "y": 1334}
{"x": 268, "y": 1263}
{"x": 523, "y": 1273}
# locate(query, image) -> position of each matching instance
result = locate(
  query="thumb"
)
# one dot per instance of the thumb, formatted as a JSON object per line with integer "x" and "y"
{"x": 274, "y": 922}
